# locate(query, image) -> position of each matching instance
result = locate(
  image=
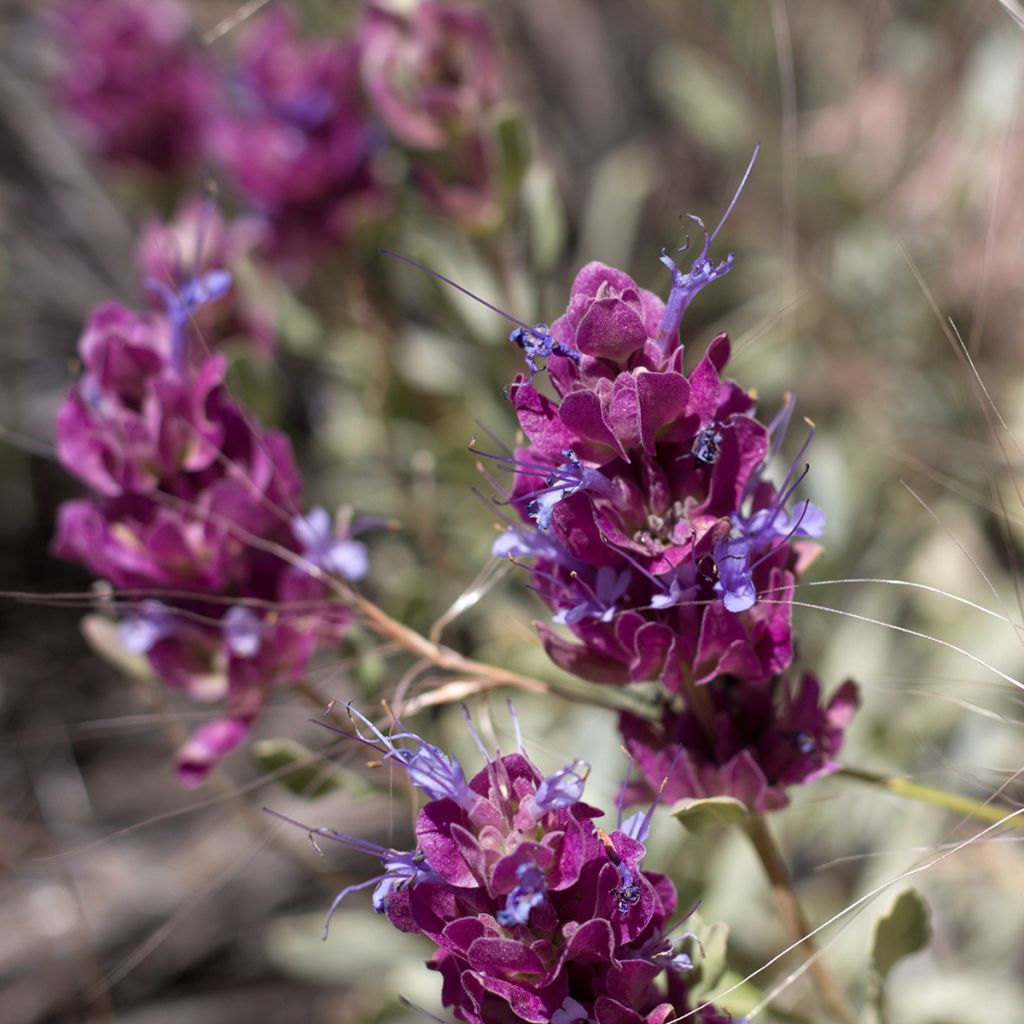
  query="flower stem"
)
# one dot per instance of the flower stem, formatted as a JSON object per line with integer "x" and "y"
{"x": 793, "y": 917}
{"x": 699, "y": 701}
{"x": 377, "y": 620}
{"x": 957, "y": 803}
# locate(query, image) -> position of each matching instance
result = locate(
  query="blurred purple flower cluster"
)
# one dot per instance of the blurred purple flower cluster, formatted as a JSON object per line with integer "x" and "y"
{"x": 538, "y": 915}
{"x": 137, "y": 89}
{"x": 653, "y": 532}
{"x": 300, "y": 128}
{"x": 764, "y": 736}
{"x": 195, "y": 517}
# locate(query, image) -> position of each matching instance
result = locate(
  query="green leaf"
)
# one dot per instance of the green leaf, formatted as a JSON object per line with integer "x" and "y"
{"x": 697, "y": 815}
{"x": 545, "y": 215}
{"x": 901, "y": 931}
{"x": 513, "y": 147}
{"x": 708, "y": 968}
{"x": 311, "y": 776}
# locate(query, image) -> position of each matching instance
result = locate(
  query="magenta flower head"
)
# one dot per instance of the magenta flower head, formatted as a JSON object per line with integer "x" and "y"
{"x": 763, "y": 737}
{"x": 295, "y": 140}
{"x": 137, "y": 89}
{"x": 650, "y": 526}
{"x": 198, "y": 506}
{"x": 182, "y": 263}
{"x": 429, "y": 69}
{"x": 537, "y": 914}
{"x": 431, "y": 74}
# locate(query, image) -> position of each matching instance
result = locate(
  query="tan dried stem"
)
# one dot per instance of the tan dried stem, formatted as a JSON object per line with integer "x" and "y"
{"x": 793, "y": 917}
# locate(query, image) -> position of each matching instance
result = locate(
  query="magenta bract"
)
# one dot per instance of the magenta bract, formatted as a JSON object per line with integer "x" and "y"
{"x": 764, "y": 737}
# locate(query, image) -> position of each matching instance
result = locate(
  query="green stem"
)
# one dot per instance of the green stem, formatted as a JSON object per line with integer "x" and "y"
{"x": 967, "y": 806}
{"x": 793, "y": 917}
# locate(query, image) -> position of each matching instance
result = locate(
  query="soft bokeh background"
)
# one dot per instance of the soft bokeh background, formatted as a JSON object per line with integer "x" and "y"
{"x": 886, "y": 199}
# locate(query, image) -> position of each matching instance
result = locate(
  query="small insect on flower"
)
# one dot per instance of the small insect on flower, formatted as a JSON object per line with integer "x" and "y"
{"x": 627, "y": 894}
{"x": 707, "y": 446}
{"x": 538, "y": 343}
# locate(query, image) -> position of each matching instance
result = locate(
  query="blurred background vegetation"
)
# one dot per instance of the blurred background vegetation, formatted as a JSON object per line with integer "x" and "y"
{"x": 886, "y": 199}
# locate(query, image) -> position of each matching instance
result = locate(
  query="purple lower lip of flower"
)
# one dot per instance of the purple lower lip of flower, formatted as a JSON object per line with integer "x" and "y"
{"x": 309, "y": 110}
{"x": 521, "y": 542}
{"x": 184, "y": 302}
{"x": 735, "y": 584}
{"x": 762, "y": 534}
{"x": 570, "y": 1012}
{"x": 560, "y": 789}
{"x": 153, "y": 622}
{"x": 529, "y": 892}
{"x": 569, "y": 478}
{"x": 315, "y": 532}
{"x": 686, "y": 286}
{"x": 243, "y": 631}
{"x": 770, "y": 526}
{"x": 560, "y": 482}
{"x": 676, "y": 594}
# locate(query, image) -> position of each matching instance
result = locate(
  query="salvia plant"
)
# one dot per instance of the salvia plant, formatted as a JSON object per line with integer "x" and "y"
{"x": 646, "y": 501}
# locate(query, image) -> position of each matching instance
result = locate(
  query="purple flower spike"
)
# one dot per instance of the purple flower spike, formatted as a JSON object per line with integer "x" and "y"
{"x": 182, "y": 478}
{"x": 648, "y": 526}
{"x": 536, "y": 914}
